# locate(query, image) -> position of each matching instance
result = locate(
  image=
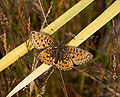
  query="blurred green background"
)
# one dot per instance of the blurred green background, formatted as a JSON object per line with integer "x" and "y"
{"x": 98, "y": 78}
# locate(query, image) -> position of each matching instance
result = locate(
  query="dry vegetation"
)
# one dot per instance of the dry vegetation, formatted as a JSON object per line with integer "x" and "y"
{"x": 98, "y": 78}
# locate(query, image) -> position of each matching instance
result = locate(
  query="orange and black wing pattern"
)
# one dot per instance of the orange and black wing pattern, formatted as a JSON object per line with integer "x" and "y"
{"x": 64, "y": 62}
{"x": 48, "y": 56}
{"x": 40, "y": 40}
{"x": 78, "y": 56}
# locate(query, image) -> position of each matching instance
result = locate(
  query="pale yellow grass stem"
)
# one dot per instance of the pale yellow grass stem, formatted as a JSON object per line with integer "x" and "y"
{"x": 106, "y": 16}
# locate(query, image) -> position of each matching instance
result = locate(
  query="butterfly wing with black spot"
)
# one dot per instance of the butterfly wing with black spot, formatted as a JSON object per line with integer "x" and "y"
{"x": 48, "y": 56}
{"x": 64, "y": 62}
{"x": 78, "y": 56}
{"x": 40, "y": 40}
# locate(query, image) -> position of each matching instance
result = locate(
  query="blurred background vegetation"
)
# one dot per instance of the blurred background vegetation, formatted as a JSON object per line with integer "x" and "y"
{"x": 98, "y": 78}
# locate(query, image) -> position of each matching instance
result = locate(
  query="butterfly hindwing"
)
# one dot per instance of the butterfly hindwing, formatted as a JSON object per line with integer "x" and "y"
{"x": 64, "y": 62}
{"x": 40, "y": 40}
{"x": 48, "y": 56}
{"x": 78, "y": 56}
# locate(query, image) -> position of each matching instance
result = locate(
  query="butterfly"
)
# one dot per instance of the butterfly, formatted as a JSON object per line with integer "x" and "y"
{"x": 64, "y": 57}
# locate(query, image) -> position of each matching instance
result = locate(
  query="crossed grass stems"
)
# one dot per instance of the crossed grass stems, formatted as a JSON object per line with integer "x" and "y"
{"x": 62, "y": 85}
{"x": 36, "y": 59}
{"x": 34, "y": 65}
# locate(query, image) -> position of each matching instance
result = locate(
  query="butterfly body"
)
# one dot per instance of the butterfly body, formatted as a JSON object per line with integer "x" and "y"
{"x": 58, "y": 49}
{"x": 64, "y": 57}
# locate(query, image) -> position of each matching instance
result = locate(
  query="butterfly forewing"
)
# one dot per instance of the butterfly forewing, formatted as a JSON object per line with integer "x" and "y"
{"x": 40, "y": 40}
{"x": 78, "y": 56}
